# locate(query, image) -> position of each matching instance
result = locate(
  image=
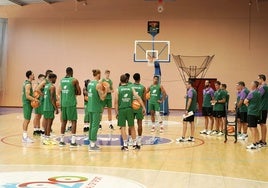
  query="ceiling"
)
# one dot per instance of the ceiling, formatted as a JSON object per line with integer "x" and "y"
{"x": 133, "y": 9}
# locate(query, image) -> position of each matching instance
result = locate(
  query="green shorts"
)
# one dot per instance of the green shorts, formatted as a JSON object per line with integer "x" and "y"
{"x": 125, "y": 115}
{"x": 138, "y": 114}
{"x": 27, "y": 111}
{"x": 69, "y": 113}
{"x": 154, "y": 107}
{"x": 39, "y": 109}
{"x": 107, "y": 103}
{"x": 48, "y": 114}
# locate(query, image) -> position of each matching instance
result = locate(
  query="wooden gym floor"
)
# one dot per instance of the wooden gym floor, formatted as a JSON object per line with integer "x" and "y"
{"x": 208, "y": 162}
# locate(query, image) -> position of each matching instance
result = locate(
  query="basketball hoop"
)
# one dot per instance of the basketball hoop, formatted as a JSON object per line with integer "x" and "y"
{"x": 150, "y": 61}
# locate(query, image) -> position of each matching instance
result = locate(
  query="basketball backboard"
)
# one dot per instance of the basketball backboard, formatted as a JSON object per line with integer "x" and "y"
{"x": 145, "y": 49}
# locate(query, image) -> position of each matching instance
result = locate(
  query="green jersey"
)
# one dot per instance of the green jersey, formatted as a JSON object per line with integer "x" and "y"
{"x": 191, "y": 94}
{"x": 125, "y": 96}
{"x": 110, "y": 82}
{"x": 264, "y": 96}
{"x": 24, "y": 99}
{"x": 254, "y": 98}
{"x": 68, "y": 97}
{"x": 140, "y": 89}
{"x": 94, "y": 102}
{"x": 48, "y": 106}
{"x": 219, "y": 95}
{"x": 155, "y": 93}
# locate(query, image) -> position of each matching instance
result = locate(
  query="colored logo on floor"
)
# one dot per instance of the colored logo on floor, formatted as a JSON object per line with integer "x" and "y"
{"x": 63, "y": 180}
{"x": 116, "y": 140}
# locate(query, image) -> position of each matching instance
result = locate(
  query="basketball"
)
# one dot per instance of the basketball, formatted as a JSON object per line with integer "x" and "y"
{"x": 105, "y": 84}
{"x": 136, "y": 105}
{"x": 230, "y": 129}
{"x": 36, "y": 94}
{"x": 147, "y": 96}
{"x": 35, "y": 103}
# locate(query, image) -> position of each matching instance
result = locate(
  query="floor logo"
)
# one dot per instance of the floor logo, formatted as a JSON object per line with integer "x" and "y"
{"x": 63, "y": 180}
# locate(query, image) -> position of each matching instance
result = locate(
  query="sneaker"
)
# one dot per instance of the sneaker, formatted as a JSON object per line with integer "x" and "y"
{"x": 203, "y": 131}
{"x": 241, "y": 137}
{"x": 214, "y": 132}
{"x": 153, "y": 129}
{"x": 36, "y": 133}
{"x": 100, "y": 127}
{"x": 62, "y": 144}
{"x": 73, "y": 145}
{"x": 190, "y": 139}
{"x": 130, "y": 142}
{"x": 263, "y": 144}
{"x": 136, "y": 147}
{"x": 161, "y": 129}
{"x": 208, "y": 132}
{"x": 95, "y": 148}
{"x": 111, "y": 127}
{"x": 252, "y": 146}
{"x": 86, "y": 129}
{"x": 124, "y": 148}
{"x": 181, "y": 139}
{"x": 53, "y": 142}
{"x": 27, "y": 140}
{"x": 220, "y": 133}
{"x": 46, "y": 142}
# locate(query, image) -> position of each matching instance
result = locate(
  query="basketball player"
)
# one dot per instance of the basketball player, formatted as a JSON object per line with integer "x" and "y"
{"x": 157, "y": 96}
{"x": 49, "y": 107}
{"x": 138, "y": 114}
{"x": 263, "y": 89}
{"x": 218, "y": 108}
{"x": 96, "y": 95}
{"x": 242, "y": 110}
{"x": 191, "y": 100}
{"x": 69, "y": 89}
{"x": 39, "y": 110}
{"x": 124, "y": 112}
{"x": 253, "y": 101}
{"x": 207, "y": 110}
{"x": 128, "y": 77}
{"x": 108, "y": 100}
{"x": 86, "y": 116}
{"x": 226, "y": 104}
{"x": 27, "y": 92}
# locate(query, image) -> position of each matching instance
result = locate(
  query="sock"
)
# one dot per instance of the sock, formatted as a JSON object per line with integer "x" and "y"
{"x": 62, "y": 138}
{"x": 35, "y": 129}
{"x": 24, "y": 134}
{"x": 125, "y": 143}
{"x": 92, "y": 144}
{"x": 86, "y": 125}
{"x": 110, "y": 122}
{"x": 73, "y": 139}
{"x": 134, "y": 142}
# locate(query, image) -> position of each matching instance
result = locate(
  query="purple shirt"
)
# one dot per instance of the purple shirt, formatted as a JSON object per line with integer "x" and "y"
{"x": 261, "y": 89}
{"x": 208, "y": 91}
{"x": 243, "y": 94}
{"x": 250, "y": 95}
{"x": 190, "y": 93}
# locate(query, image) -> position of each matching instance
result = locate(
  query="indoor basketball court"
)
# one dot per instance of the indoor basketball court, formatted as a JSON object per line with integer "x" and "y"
{"x": 175, "y": 40}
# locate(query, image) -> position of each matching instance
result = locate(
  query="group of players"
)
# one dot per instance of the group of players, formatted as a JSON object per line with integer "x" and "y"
{"x": 97, "y": 96}
{"x": 251, "y": 109}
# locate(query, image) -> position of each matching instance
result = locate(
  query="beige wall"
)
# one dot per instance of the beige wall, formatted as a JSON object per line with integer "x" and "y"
{"x": 55, "y": 43}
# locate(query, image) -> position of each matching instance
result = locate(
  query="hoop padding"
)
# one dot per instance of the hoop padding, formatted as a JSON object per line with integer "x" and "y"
{"x": 192, "y": 66}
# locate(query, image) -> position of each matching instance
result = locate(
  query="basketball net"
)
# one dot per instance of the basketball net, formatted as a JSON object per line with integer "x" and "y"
{"x": 150, "y": 61}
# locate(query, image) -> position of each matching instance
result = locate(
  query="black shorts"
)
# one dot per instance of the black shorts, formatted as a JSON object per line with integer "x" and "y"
{"x": 207, "y": 111}
{"x": 252, "y": 121}
{"x": 189, "y": 119}
{"x": 218, "y": 114}
{"x": 262, "y": 119}
{"x": 243, "y": 117}
{"x": 237, "y": 114}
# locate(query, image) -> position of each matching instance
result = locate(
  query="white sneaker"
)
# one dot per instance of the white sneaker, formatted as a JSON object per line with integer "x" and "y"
{"x": 203, "y": 131}
{"x": 241, "y": 137}
{"x": 208, "y": 132}
{"x": 27, "y": 140}
{"x": 190, "y": 139}
{"x": 220, "y": 133}
{"x": 130, "y": 142}
{"x": 181, "y": 139}
{"x": 252, "y": 146}
{"x": 214, "y": 132}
